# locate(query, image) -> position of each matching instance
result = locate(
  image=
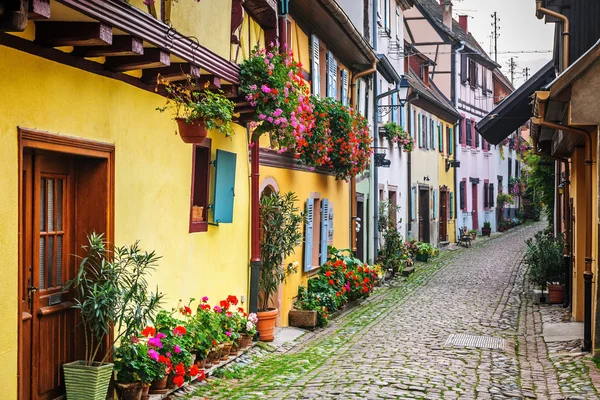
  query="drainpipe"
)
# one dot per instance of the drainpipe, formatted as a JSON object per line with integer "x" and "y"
{"x": 587, "y": 274}
{"x": 355, "y": 77}
{"x": 255, "y": 262}
{"x": 455, "y": 91}
{"x": 540, "y": 12}
{"x": 375, "y": 194}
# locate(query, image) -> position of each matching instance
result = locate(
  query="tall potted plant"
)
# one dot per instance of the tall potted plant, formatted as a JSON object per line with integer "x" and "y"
{"x": 109, "y": 291}
{"x": 198, "y": 110}
{"x": 544, "y": 256}
{"x": 487, "y": 229}
{"x": 280, "y": 235}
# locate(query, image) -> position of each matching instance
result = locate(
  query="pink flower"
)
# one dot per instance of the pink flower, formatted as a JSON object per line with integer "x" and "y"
{"x": 153, "y": 354}
{"x": 205, "y": 299}
{"x": 217, "y": 309}
{"x": 270, "y": 119}
{"x": 228, "y": 334}
{"x": 155, "y": 341}
{"x": 265, "y": 89}
{"x": 160, "y": 335}
{"x": 177, "y": 349}
{"x": 277, "y": 112}
{"x": 262, "y": 117}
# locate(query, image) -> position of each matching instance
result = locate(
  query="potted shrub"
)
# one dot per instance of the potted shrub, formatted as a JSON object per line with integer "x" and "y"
{"x": 424, "y": 251}
{"x": 473, "y": 234}
{"x": 110, "y": 292}
{"x": 198, "y": 111}
{"x": 280, "y": 235}
{"x": 487, "y": 229}
{"x": 392, "y": 251}
{"x": 544, "y": 256}
{"x": 137, "y": 366}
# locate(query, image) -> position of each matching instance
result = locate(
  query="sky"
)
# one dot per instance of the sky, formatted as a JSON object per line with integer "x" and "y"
{"x": 520, "y": 32}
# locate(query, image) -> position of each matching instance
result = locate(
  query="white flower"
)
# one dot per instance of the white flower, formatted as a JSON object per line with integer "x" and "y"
{"x": 249, "y": 326}
{"x": 253, "y": 318}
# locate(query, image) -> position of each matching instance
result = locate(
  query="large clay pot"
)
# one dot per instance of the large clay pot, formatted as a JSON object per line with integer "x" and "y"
{"x": 226, "y": 351}
{"x": 192, "y": 133}
{"x": 556, "y": 293}
{"x": 266, "y": 324}
{"x": 160, "y": 386}
{"x": 246, "y": 340}
{"x": 146, "y": 391}
{"x": 129, "y": 391}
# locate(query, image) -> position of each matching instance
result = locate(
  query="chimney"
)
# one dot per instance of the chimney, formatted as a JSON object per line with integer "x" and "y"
{"x": 463, "y": 20}
{"x": 447, "y": 4}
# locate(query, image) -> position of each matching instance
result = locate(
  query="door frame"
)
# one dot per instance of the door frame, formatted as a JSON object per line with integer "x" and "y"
{"x": 425, "y": 195}
{"x": 71, "y": 146}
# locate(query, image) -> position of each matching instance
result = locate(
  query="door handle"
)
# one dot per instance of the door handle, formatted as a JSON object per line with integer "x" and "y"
{"x": 32, "y": 289}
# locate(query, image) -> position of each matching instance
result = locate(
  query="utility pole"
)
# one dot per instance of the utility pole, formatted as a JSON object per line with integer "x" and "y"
{"x": 512, "y": 65}
{"x": 526, "y": 72}
{"x": 495, "y": 34}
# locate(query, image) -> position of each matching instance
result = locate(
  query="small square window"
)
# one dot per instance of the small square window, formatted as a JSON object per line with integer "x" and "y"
{"x": 200, "y": 187}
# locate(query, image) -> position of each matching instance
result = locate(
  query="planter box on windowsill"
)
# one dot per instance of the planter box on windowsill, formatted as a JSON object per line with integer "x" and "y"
{"x": 303, "y": 318}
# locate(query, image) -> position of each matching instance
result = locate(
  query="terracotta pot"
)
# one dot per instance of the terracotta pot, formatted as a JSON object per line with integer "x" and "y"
{"x": 266, "y": 324}
{"x": 225, "y": 352}
{"x": 246, "y": 340}
{"x": 235, "y": 347}
{"x": 486, "y": 231}
{"x": 192, "y": 133}
{"x": 303, "y": 318}
{"x": 201, "y": 362}
{"x": 556, "y": 293}
{"x": 170, "y": 383}
{"x": 160, "y": 386}
{"x": 129, "y": 391}
{"x": 219, "y": 352}
{"x": 146, "y": 391}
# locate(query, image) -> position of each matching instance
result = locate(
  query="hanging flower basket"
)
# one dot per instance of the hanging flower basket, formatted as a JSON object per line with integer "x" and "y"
{"x": 194, "y": 132}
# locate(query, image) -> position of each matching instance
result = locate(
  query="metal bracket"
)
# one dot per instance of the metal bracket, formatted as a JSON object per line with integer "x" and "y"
{"x": 382, "y": 111}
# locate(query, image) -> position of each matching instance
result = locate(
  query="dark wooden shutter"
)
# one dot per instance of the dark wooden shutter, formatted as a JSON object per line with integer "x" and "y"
{"x": 491, "y": 196}
{"x": 464, "y": 65}
{"x": 468, "y": 133}
{"x": 486, "y": 192}
{"x": 462, "y": 195}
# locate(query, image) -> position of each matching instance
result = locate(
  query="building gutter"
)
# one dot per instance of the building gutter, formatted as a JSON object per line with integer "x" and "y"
{"x": 540, "y": 12}
{"x": 353, "y": 215}
{"x": 541, "y": 104}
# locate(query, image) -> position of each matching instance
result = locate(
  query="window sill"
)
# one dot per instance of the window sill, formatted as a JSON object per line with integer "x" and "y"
{"x": 312, "y": 272}
{"x": 196, "y": 227}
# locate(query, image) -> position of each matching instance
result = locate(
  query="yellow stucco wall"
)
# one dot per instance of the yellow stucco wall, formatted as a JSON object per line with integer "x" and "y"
{"x": 194, "y": 18}
{"x": 250, "y": 35}
{"x": 579, "y": 191}
{"x": 447, "y": 179}
{"x": 153, "y": 180}
{"x": 303, "y": 184}
{"x": 300, "y": 45}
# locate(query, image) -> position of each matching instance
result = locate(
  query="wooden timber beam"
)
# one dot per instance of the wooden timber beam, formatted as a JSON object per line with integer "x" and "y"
{"x": 173, "y": 73}
{"x": 209, "y": 82}
{"x": 13, "y": 15}
{"x": 230, "y": 91}
{"x": 121, "y": 46}
{"x": 152, "y": 58}
{"x": 56, "y": 34}
{"x": 39, "y": 9}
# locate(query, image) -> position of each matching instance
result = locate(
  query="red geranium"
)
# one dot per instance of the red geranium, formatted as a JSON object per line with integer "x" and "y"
{"x": 149, "y": 331}
{"x": 232, "y": 299}
{"x": 180, "y": 369}
{"x": 194, "y": 370}
{"x": 178, "y": 381}
{"x": 179, "y": 330}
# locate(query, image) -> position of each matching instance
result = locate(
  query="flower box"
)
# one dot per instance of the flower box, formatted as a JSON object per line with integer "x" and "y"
{"x": 423, "y": 257}
{"x": 303, "y": 318}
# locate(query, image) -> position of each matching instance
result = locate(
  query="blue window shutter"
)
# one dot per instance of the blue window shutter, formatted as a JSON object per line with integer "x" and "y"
{"x": 330, "y": 230}
{"x": 308, "y": 234}
{"x": 344, "y": 87}
{"x": 224, "y": 187}
{"x": 435, "y": 204}
{"x": 315, "y": 66}
{"x": 324, "y": 230}
{"x": 413, "y": 202}
{"x": 451, "y": 205}
{"x": 420, "y": 131}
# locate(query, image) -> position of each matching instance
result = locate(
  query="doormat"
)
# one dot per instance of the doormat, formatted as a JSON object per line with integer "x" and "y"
{"x": 479, "y": 342}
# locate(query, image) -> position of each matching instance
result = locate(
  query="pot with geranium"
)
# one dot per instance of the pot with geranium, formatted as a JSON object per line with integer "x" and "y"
{"x": 396, "y": 134}
{"x": 280, "y": 236}
{"x": 197, "y": 111}
{"x": 425, "y": 251}
{"x": 111, "y": 295}
{"x": 249, "y": 329}
{"x": 198, "y": 340}
{"x": 137, "y": 366}
{"x": 487, "y": 228}
{"x": 210, "y": 323}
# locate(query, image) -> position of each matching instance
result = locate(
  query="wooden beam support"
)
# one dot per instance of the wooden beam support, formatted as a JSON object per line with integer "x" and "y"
{"x": 39, "y": 9}
{"x": 209, "y": 82}
{"x": 230, "y": 91}
{"x": 121, "y": 46}
{"x": 13, "y": 15}
{"x": 173, "y": 73}
{"x": 152, "y": 58}
{"x": 56, "y": 34}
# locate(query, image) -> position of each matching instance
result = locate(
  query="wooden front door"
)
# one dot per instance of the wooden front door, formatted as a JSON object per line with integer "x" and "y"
{"x": 360, "y": 234}
{"x": 443, "y": 216}
{"x": 48, "y": 323}
{"x": 475, "y": 213}
{"x": 424, "y": 215}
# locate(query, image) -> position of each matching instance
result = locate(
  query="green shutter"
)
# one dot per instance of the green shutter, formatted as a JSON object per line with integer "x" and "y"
{"x": 451, "y": 141}
{"x": 224, "y": 187}
{"x": 435, "y": 208}
{"x": 441, "y": 138}
{"x": 451, "y": 205}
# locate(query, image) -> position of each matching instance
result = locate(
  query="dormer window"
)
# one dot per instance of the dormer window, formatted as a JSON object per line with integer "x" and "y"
{"x": 473, "y": 73}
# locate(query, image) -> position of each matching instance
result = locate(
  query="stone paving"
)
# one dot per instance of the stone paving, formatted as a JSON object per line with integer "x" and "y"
{"x": 393, "y": 345}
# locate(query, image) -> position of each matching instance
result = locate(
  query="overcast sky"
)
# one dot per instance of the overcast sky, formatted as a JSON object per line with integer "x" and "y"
{"x": 520, "y": 31}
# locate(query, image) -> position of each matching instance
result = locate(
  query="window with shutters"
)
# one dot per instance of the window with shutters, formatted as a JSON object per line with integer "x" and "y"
{"x": 432, "y": 134}
{"x": 315, "y": 66}
{"x": 200, "y": 186}
{"x": 463, "y": 195}
{"x": 440, "y": 138}
{"x": 472, "y": 73}
{"x": 491, "y": 195}
{"x": 318, "y": 232}
{"x": 468, "y": 134}
{"x": 449, "y": 141}
{"x": 464, "y": 72}
{"x": 424, "y": 131}
{"x": 344, "y": 86}
{"x": 486, "y": 192}
{"x": 332, "y": 74}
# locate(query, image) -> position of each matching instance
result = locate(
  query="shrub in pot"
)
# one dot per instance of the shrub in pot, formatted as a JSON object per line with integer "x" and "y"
{"x": 280, "y": 235}
{"x": 197, "y": 111}
{"x": 137, "y": 366}
{"x": 393, "y": 250}
{"x": 110, "y": 292}
{"x": 487, "y": 228}
{"x": 425, "y": 251}
{"x": 544, "y": 256}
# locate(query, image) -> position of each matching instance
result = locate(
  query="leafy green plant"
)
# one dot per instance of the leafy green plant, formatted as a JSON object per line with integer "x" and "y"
{"x": 503, "y": 199}
{"x": 110, "y": 291}
{"x": 544, "y": 256}
{"x": 280, "y": 235}
{"x": 134, "y": 364}
{"x": 487, "y": 225}
{"x": 194, "y": 105}
{"x": 392, "y": 251}
{"x": 396, "y": 134}
{"x": 426, "y": 249}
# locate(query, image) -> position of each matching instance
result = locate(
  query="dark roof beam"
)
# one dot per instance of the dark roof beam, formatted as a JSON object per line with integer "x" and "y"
{"x": 173, "y": 73}
{"x": 152, "y": 58}
{"x": 121, "y": 46}
{"x": 57, "y": 34}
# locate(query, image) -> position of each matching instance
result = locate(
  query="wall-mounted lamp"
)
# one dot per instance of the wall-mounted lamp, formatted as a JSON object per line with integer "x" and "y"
{"x": 426, "y": 178}
{"x": 452, "y": 164}
{"x": 561, "y": 188}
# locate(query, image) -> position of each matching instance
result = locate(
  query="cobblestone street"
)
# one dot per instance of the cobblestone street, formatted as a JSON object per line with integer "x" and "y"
{"x": 395, "y": 344}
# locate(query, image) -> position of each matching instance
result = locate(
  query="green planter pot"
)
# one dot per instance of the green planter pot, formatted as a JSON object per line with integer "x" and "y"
{"x": 87, "y": 382}
{"x": 423, "y": 257}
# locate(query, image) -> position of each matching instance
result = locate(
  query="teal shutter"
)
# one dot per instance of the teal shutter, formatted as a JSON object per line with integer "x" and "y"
{"x": 441, "y": 138}
{"x": 420, "y": 130}
{"x": 451, "y": 205}
{"x": 435, "y": 208}
{"x": 308, "y": 234}
{"x": 324, "y": 230}
{"x": 394, "y": 112}
{"x": 413, "y": 202}
{"x": 224, "y": 187}
{"x": 451, "y": 143}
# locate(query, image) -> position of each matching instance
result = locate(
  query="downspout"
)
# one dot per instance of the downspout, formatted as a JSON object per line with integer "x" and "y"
{"x": 375, "y": 193}
{"x": 587, "y": 274}
{"x": 355, "y": 77}
{"x": 540, "y": 12}
{"x": 455, "y": 90}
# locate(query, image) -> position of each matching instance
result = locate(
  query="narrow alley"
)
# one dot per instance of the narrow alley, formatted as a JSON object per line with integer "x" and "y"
{"x": 398, "y": 343}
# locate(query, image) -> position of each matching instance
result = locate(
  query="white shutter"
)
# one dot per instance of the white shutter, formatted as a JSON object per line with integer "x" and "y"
{"x": 344, "y": 74}
{"x": 331, "y": 76}
{"x": 308, "y": 234}
{"x": 316, "y": 74}
{"x": 324, "y": 230}
{"x": 413, "y": 204}
{"x": 428, "y": 133}
{"x": 330, "y": 224}
{"x": 435, "y": 204}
